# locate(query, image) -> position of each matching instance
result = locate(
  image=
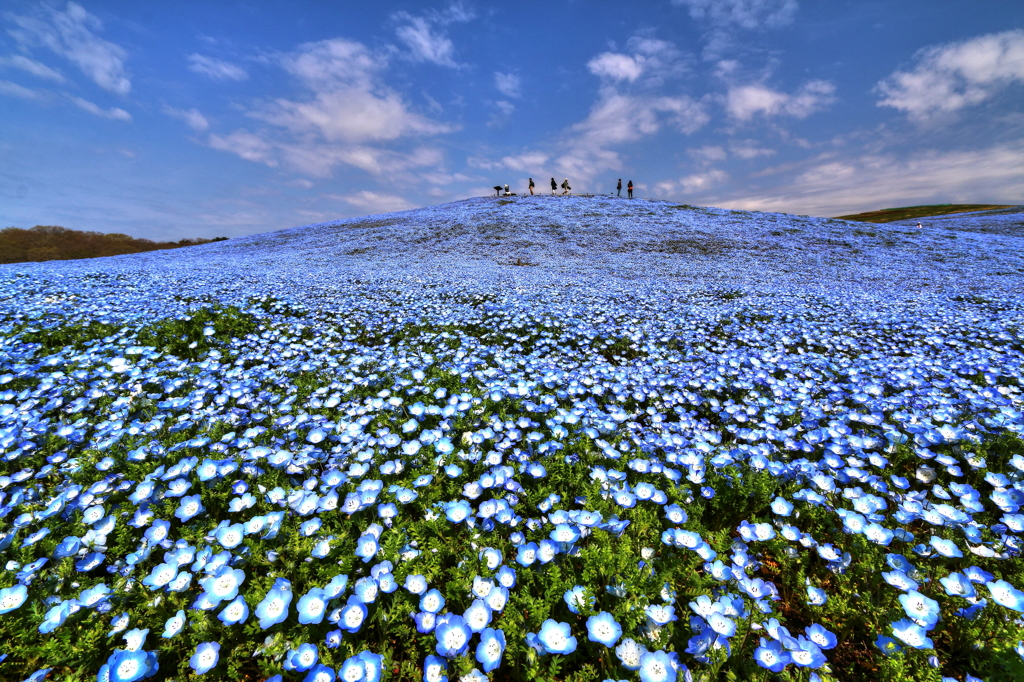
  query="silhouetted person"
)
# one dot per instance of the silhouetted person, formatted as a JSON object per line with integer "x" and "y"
{"x": 629, "y": 188}
{"x": 554, "y": 185}
{"x": 506, "y": 190}
{"x": 531, "y": 187}
{"x": 565, "y": 187}
{"x": 618, "y": 188}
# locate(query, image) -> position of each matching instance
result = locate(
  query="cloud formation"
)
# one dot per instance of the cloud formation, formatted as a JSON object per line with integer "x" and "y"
{"x": 71, "y": 34}
{"x": 748, "y": 14}
{"x": 951, "y": 77}
{"x": 374, "y": 202}
{"x": 425, "y": 36}
{"x": 745, "y": 101}
{"x": 216, "y": 69}
{"x": 37, "y": 69}
{"x": 192, "y": 117}
{"x": 507, "y": 84}
{"x": 113, "y": 113}
{"x": 349, "y": 115}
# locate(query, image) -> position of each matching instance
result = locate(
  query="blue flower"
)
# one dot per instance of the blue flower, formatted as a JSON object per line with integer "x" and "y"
{"x": 771, "y": 656}
{"x": 415, "y": 583}
{"x": 912, "y": 634}
{"x": 1005, "y": 594}
{"x": 12, "y": 597}
{"x": 603, "y": 629}
{"x": 432, "y": 601}
{"x": 319, "y": 673}
{"x": 366, "y": 547}
{"x": 556, "y": 638}
{"x": 235, "y": 612}
{"x": 274, "y": 607}
{"x": 435, "y": 669}
{"x": 477, "y": 616}
{"x": 312, "y": 606}
{"x": 301, "y": 659}
{"x": 127, "y": 666}
{"x": 526, "y": 554}
{"x": 490, "y": 649}
{"x": 656, "y": 666}
{"x": 205, "y": 658}
{"x": 629, "y": 654}
{"x": 820, "y": 636}
{"x": 353, "y": 614}
{"x": 174, "y": 625}
{"x": 576, "y": 598}
{"x": 230, "y": 536}
{"x": 224, "y": 583}
{"x": 452, "y": 637}
{"x": 188, "y": 507}
{"x": 924, "y": 610}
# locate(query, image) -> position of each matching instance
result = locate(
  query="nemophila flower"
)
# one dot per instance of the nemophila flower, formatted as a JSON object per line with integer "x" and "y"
{"x": 55, "y": 617}
{"x": 477, "y": 616}
{"x": 274, "y": 607}
{"x": 353, "y": 614}
{"x": 816, "y": 596}
{"x": 771, "y": 656}
{"x": 721, "y": 624}
{"x": 235, "y": 612}
{"x": 301, "y": 659}
{"x": 657, "y": 666}
{"x": 333, "y": 639}
{"x": 435, "y": 669}
{"x": 506, "y": 577}
{"x": 912, "y": 634}
{"x": 807, "y": 654}
{"x": 158, "y": 531}
{"x": 958, "y": 585}
{"x": 205, "y": 658}
{"x": 336, "y": 586}
{"x": 490, "y": 649}
{"x": 425, "y": 621}
{"x": 452, "y": 637}
{"x": 491, "y": 557}
{"x": 526, "y": 554}
{"x": 312, "y": 607}
{"x": 603, "y": 629}
{"x": 629, "y": 653}
{"x": 820, "y": 636}
{"x": 319, "y": 673}
{"x": 174, "y": 625}
{"x": 576, "y": 599}
{"x": 432, "y": 601}
{"x": 224, "y": 583}
{"x": 127, "y": 666}
{"x": 1005, "y": 594}
{"x": 556, "y": 638}
{"x": 782, "y": 506}
{"x": 547, "y": 550}
{"x": 135, "y": 639}
{"x": 945, "y": 547}
{"x": 978, "y": 575}
{"x": 415, "y": 583}
{"x": 924, "y": 610}
{"x": 188, "y": 507}
{"x": 12, "y": 597}
{"x": 230, "y": 536}
{"x": 365, "y": 590}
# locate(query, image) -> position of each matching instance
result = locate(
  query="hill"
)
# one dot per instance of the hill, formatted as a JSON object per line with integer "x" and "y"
{"x": 51, "y": 242}
{"x": 888, "y": 215}
{"x": 536, "y": 438}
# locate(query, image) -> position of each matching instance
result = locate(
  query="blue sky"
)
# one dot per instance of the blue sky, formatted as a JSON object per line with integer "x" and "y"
{"x": 185, "y": 119}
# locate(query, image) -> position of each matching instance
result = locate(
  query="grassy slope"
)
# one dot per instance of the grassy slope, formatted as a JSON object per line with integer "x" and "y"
{"x": 888, "y": 215}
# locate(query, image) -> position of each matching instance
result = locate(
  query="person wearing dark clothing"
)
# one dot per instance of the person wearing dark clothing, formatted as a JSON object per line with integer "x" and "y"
{"x": 565, "y": 186}
{"x": 531, "y": 187}
{"x": 629, "y": 188}
{"x": 618, "y": 188}
{"x": 554, "y": 185}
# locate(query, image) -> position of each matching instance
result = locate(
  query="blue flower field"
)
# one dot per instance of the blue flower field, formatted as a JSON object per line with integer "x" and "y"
{"x": 533, "y": 438}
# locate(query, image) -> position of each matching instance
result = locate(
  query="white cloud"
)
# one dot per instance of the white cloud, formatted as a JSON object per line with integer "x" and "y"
{"x": 695, "y": 182}
{"x": 373, "y": 202}
{"x": 507, "y": 84}
{"x": 349, "y": 113}
{"x": 425, "y": 36}
{"x": 947, "y": 78}
{"x": 748, "y": 14}
{"x": 503, "y": 112}
{"x": 33, "y": 67}
{"x": 748, "y": 149}
{"x": 216, "y": 69}
{"x": 114, "y": 114}
{"x": 651, "y": 58}
{"x": 195, "y": 120}
{"x": 745, "y": 101}
{"x": 246, "y": 145}
{"x": 841, "y": 185}
{"x": 529, "y": 162}
{"x": 618, "y": 67}
{"x": 20, "y": 91}
{"x": 708, "y": 154}
{"x": 71, "y": 34}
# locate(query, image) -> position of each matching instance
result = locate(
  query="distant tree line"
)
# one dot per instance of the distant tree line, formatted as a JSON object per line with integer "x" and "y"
{"x": 52, "y": 242}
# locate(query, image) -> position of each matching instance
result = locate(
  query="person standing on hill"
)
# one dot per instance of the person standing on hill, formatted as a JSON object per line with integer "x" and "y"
{"x": 629, "y": 188}
{"x": 565, "y": 187}
{"x": 618, "y": 188}
{"x": 554, "y": 185}
{"x": 531, "y": 187}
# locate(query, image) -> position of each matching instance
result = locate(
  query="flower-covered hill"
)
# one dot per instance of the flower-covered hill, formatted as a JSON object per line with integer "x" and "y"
{"x": 523, "y": 438}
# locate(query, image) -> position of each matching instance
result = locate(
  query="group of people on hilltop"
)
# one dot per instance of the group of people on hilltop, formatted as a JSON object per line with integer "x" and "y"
{"x": 566, "y": 189}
